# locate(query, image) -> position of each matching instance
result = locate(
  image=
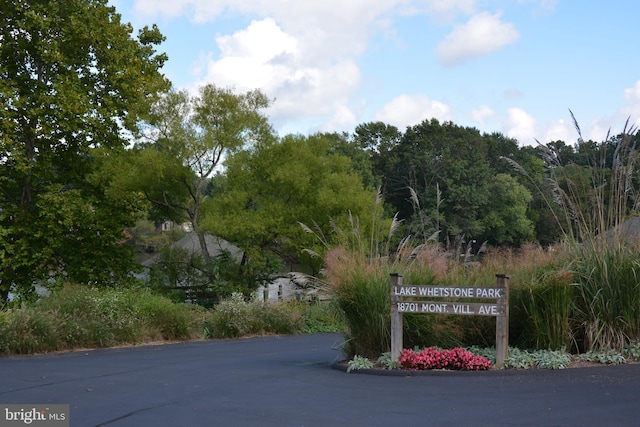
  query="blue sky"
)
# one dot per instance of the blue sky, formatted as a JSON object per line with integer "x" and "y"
{"x": 509, "y": 66}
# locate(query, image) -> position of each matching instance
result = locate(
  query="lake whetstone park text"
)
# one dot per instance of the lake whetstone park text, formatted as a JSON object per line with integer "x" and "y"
{"x": 447, "y": 300}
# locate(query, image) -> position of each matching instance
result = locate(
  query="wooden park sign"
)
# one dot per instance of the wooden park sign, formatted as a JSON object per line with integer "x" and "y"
{"x": 446, "y": 300}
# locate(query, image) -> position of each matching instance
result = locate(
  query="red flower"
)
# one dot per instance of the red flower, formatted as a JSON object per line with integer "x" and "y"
{"x": 432, "y": 358}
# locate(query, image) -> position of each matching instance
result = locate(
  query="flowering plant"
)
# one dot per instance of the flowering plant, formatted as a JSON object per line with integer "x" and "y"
{"x": 432, "y": 358}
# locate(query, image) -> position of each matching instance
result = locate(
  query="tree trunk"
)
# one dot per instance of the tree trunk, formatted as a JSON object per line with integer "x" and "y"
{"x": 4, "y": 297}
{"x": 206, "y": 256}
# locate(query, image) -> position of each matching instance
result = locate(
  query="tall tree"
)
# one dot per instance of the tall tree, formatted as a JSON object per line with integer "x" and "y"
{"x": 273, "y": 187}
{"x": 446, "y": 166}
{"x": 379, "y": 141}
{"x": 505, "y": 220}
{"x": 72, "y": 78}
{"x": 190, "y": 136}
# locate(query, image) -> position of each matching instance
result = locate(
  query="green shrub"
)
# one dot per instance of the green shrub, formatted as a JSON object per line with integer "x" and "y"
{"x": 632, "y": 350}
{"x": 4, "y": 332}
{"x": 236, "y": 317}
{"x": 365, "y": 302}
{"x": 608, "y": 357}
{"x": 82, "y": 317}
{"x": 542, "y": 359}
{"x": 26, "y": 331}
{"x": 320, "y": 317}
{"x": 167, "y": 320}
{"x": 359, "y": 362}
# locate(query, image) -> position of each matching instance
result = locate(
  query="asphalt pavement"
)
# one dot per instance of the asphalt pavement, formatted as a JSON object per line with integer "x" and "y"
{"x": 289, "y": 381}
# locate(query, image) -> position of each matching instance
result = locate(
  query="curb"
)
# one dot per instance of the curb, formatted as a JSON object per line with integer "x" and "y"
{"x": 340, "y": 366}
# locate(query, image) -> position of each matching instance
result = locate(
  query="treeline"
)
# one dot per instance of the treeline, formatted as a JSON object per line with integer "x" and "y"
{"x": 467, "y": 185}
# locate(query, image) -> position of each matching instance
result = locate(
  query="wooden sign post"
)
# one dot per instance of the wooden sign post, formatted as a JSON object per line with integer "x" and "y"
{"x": 446, "y": 300}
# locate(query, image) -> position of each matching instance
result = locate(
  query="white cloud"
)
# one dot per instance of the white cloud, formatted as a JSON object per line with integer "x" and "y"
{"x": 443, "y": 11}
{"x": 599, "y": 129}
{"x": 481, "y": 114}
{"x": 559, "y": 130}
{"x": 632, "y": 109}
{"x": 541, "y": 6}
{"x": 482, "y": 34}
{"x": 343, "y": 118}
{"x": 303, "y": 54}
{"x": 334, "y": 27}
{"x": 448, "y": 6}
{"x": 406, "y": 110}
{"x": 261, "y": 56}
{"x": 264, "y": 56}
{"x": 521, "y": 126}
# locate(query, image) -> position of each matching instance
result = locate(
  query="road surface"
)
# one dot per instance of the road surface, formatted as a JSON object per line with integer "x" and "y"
{"x": 288, "y": 381}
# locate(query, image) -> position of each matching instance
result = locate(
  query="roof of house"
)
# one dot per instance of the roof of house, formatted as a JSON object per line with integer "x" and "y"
{"x": 190, "y": 243}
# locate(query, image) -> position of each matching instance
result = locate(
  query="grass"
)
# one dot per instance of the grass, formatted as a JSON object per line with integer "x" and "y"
{"x": 557, "y": 300}
{"x": 606, "y": 304}
{"x": 80, "y": 317}
{"x": 599, "y": 276}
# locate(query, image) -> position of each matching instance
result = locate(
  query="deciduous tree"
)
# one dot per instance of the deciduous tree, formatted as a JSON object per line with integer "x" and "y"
{"x": 190, "y": 137}
{"x": 272, "y": 188}
{"x": 72, "y": 78}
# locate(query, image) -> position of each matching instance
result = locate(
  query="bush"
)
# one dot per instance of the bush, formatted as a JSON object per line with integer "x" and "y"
{"x": 167, "y": 320}
{"x": 319, "y": 317}
{"x": 82, "y": 317}
{"x": 26, "y": 331}
{"x": 236, "y": 317}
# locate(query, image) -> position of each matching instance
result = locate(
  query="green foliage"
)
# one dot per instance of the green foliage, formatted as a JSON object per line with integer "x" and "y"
{"x": 236, "y": 317}
{"x": 82, "y": 317}
{"x": 183, "y": 275}
{"x": 377, "y": 139}
{"x": 190, "y": 135}
{"x": 72, "y": 91}
{"x": 606, "y": 296}
{"x": 542, "y": 359}
{"x": 552, "y": 359}
{"x": 358, "y": 363}
{"x": 452, "y": 178}
{"x": 593, "y": 193}
{"x": 361, "y": 287}
{"x": 28, "y": 331}
{"x": 318, "y": 317}
{"x": 365, "y": 303}
{"x": 168, "y": 320}
{"x": 608, "y": 357}
{"x": 146, "y": 240}
{"x": 543, "y": 309}
{"x": 632, "y": 350}
{"x": 551, "y": 305}
{"x": 488, "y": 353}
{"x": 386, "y": 362}
{"x": 506, "y": 221}
{"x": 273, "y": 186}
